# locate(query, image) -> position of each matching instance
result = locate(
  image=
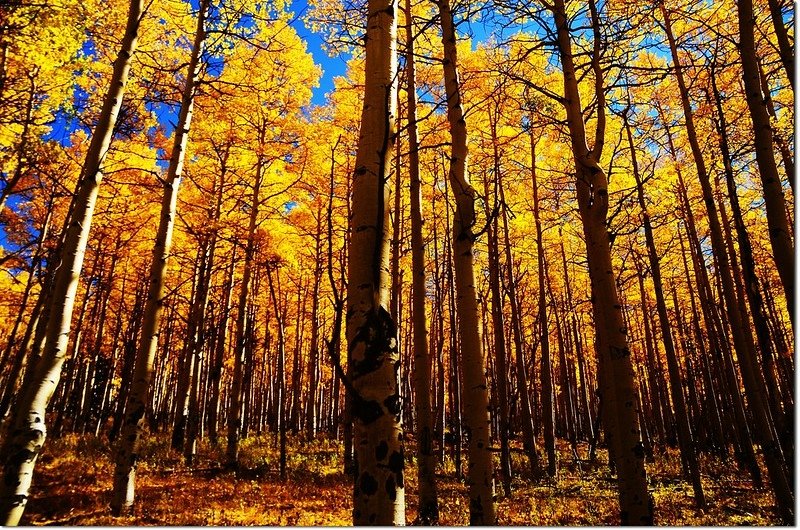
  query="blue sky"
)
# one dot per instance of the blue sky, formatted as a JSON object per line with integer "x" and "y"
{"x": 331, "y": 66}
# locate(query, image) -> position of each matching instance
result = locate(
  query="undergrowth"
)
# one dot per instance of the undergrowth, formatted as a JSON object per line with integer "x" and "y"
{"x": 72, "y": 486}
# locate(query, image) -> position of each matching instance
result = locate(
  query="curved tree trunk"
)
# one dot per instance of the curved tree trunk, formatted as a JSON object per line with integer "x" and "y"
{"x": 612, "y": 345}
{"x": 475, "y": 393}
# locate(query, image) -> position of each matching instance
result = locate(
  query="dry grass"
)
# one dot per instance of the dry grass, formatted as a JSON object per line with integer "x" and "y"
{"x": 73, "y": 484}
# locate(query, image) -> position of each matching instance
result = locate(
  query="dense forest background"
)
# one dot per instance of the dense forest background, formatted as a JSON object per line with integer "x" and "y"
{"x": 527, "y": 263}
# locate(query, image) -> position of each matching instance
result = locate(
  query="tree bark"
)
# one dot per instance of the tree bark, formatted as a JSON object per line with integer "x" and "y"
{"x": 774, "y": 201}
{"x": 27, "y": 431}
{"x": 373, "y": 358}
{"x": 591, "y": 185}
{"x": 137, "y": 401}
{"x": 426, "y": 460}
{"x": 476, "y": 400}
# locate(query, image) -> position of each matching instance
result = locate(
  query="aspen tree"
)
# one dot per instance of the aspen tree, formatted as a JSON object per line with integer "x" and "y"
{"x": 239, "y": 358}
{"x": 475, "y": 394}
{"x": 373, "y": 358}
{"x": 548, "y": 395}
{"x": 526, "y": 411}
{"x": 137, "y": 401}
{"x": 612, "y": 346}
{"x": 742, "y": 339}
{"x": 685, "y": 438}
{"x": 426, "y": 460}
{"x": 774, "y": 201}
{"x": 27, "y": 430}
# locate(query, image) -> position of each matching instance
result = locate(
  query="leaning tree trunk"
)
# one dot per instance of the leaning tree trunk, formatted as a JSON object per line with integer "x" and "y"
{"x": 373, "y": 357}
{"x": 784, "y": 44}
{"x": 774, "y": 201}
{"x": 426, "y": 459}
{"x": 137, "y": 401}
{"x": 27, "y": 431}
{"x": 476, "y": 398}
{"x": 685, "y": 438}
{"x": 742, "y": 339}
{"x": 612, "y": 345}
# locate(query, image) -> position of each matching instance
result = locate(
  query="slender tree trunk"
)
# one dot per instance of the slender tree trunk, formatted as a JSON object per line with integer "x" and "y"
{"x": 785, "y": 47}
{"x": 498, "y": 324}
{"x": 751, "y": 282}
{"x": 479, "y": 480}
{"x": 27, "y": 431}
{"x": 220, "y": 345}
{"x": 754, "y": 385}
{"x": 426, "y": 459}
{"x": 280, "y": 371}
{"x": 685, "y": 438}
{"x": 526, "y": 411}
{"x": 18, "y": 360}
{"x": 137, "y": 402}
{"x": 240, "y": 366}
{"x": 774, "y": 201}
{"x": 546, "y": 372}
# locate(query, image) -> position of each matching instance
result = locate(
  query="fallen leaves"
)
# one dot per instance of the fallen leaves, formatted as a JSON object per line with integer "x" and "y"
{"x": 73, "y": 487}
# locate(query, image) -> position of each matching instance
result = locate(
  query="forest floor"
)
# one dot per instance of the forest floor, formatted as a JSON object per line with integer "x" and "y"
{"x": 72, "y": 486}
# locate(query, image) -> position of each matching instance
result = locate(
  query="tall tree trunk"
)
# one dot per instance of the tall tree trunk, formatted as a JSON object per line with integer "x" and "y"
{"x": 498, "y": 324}
{"x": 743, "y": 342}
{"x": 239, "y": 358}
{"x": 27, "y": 431}
{"x": 751, "y": 284}
{"x": 685, "y": 438}
{"x": 526, "y": 410}
{"x": 137, "y": 401}
{"x": 280, "y": 371}
{"x": 426, "y": 460}
{"x": 785, "y": 47}
{"x": 546, "y": 372}
{"x": 774, "y": 201}
{"x": 373, "y": 357}
{"x": 476, "y": 410}
{"x": 611, "y": 336}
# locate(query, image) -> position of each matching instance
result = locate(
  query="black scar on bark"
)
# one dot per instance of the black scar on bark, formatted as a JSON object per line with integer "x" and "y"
{"x": 396, "y": 462}
{"x": 476, "y": 511}
{"x": 392, "y": 404}
{"x": 366, "y": 411}
{"x": 368, "y": 483}
{"x": 391, "y": 491}
{"x": 379, "y": 336}
{"x": 381, "y": 451}
{"x": 619, "y": 353}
